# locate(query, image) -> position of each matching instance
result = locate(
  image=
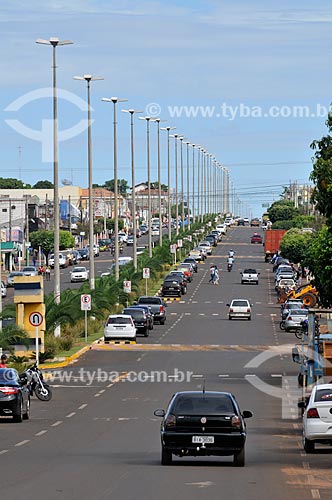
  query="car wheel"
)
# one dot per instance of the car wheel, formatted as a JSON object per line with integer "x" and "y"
{"x": 229, "y": 317}
{"x": 166, "y": 457}
{"x": 162, "y": 321}
{"x": 239, "y": 458}
{"x": 26, "y": 415}
{"x": 287, "y": 330}
{"x": 309, "y": 446}
{"x": 18, "y": 416}
{"x": 249, "y": 319}
{"x": 184, "y": 290}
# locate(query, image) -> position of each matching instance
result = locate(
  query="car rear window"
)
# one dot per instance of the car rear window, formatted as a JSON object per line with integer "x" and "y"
{"x": 298, "y": 312}
{"x": 323, "y": 395}
{"x": 202, "y": 404}
{"x": 118, "y": 321}
{"x": 149, "y": 300}
{"x": 240, "y": 303}
{"x": 134, "y": 313}
{"x": 8, "y": 376}
{"x": 250, "y": 271}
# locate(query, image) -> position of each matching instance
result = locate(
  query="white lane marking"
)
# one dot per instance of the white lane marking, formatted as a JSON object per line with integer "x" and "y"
{"x": 174, "y": 314}
{"x": 223, "y": 376}
{"x": 101, "y": 392}
{"x": 272, "y": 314}
{"x": 74, "y": 386}
{"x": 111, "y": 385}
{"x": 127, "y": 418}
{"x": 71, "y": 414}
{"x": 220, "y": 301}
{"x": 57, "y": 423}
{"x": 207, "y": 302}
{"x": 82, "y": 406}
{"x": 276, "y": 375}
{"x": 194, "y": 302}
{"x": 258, "y": 302}
{"x": 201, "y": 314}
{"x": 259, "y": 314}
{"x": 2, "y": 452}
{"x": 40, "y": 433}
{"x": 97, "y": 395}
{"x": 215, "y": 314}
{"x": 315, "y": 493}
{"x": 21, "y": 443}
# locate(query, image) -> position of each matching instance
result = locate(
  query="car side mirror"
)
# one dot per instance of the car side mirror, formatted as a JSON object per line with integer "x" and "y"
{"x": 135, "y": 303}
{"x": 247, "y": 414}
{"x": 228, "y": 305}
{"x": 159, "y": 413}
{"x": 301, "y": 404}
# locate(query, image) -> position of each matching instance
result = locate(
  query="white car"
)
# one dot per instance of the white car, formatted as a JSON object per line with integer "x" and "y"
{"x": 222, "y": 228}
{"x": 317, "y": 418}
{"x": 119, "y": 327}
{"x": 249, "y": 276}
{"x": 79, "y": 274}
{"x": 155, "y": 230}
{"x": 123, "y": 237}
{"x": 207, "y": 245}
{"x": 30, "y": 271}
{"x": 3, "y": 289}
{"x": 239, "y": 308}
{"x": 95, "y": 249}
{"x": 229, "y": 221}
{"x": 63, "y": 261}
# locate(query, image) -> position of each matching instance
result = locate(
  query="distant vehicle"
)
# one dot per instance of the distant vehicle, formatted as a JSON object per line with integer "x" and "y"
{"x": 123, "y": 236}
{"x": 202, "y": 424}
{"x": 222, "y": 228}
{"x": 240, "y": 222}
{"x": 144, "y": 229}
{"x": 95, "y": 249}
{"x": 84, "y": 253}
{"x": 239, "y": 308}
{"x": 11, "y": 276}
{"x": 256, "y": 238}
{"x": 192, "y": 261}
{"x": 79, "y": 274}
{"x": 249, "y": 276}
{"x": 140, "y": 319}
{"x": 3, "y": 289}
{"x": 130, "y": 240}
{"x": 294, "y": 319}
{"x": 273, "y": 238}
{"x": 155, "y": 230}
{"x": 63, "y": 260}
{"x": 317, "y": 418}
{"x": 29, "y": 271}
{"x": 255, "y": 222}
{"x": 119, "y": 327}
{"x": 207, "y": 245}
{"x": 171, "y": 287}
{"x": 229, "y": 221}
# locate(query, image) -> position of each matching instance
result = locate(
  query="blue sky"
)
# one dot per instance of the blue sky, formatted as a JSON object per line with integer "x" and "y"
{"x": 200, "y": 53}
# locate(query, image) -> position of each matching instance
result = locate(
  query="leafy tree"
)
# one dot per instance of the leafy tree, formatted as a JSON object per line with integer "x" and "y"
{"x": 322, "y": 173}
{"x": 110, "y": 224}
{"x": 11, "y": 335}
{"x": 300, "y": 221}
{"x": 294, "y": 245}
{"x": 319, "y": 260}
{"x": 43, "y": 185}
{"x": 11, "y": 183}
{"x": 45, "y": 240}
{"x": 282, "y": 210}
{"x": 155, "y": 185}
{"x": 122, "y": 186}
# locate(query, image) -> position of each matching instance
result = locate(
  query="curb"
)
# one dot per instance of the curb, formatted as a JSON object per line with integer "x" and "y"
{"x": 69, "y": 359}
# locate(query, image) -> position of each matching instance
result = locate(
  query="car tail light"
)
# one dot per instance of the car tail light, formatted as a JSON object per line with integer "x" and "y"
{"x": 231, "y": 310}
{"x": 290, "y": 318}
{"x": 248, "y": 310}
{"x": 161, "y": 309}
{"x": 312, "y": 413}
{"x": 236, "y": 422}
{"x": 170, "y": 421}
{"x": 9, "y": 390}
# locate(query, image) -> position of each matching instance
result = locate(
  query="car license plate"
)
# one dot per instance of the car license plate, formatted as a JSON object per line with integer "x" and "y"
{"x": 203, "y": 439}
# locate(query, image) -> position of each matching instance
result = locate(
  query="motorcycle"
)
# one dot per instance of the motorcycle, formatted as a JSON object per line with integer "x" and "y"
{"x": 229, "y": 266}
{"x": 36, "y": 384}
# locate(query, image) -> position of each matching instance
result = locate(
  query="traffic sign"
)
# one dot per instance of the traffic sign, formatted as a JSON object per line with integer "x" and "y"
{"x": 146, "y": 272}
{"x": 173, "y": 248}
{"x": 127, "y": 286}
{"x": 179, "y": 243}
{"x": 85, "y": 302}
{"x": 35, "y": 318}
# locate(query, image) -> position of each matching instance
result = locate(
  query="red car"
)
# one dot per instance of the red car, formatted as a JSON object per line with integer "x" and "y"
{"x": 256, "y": 238}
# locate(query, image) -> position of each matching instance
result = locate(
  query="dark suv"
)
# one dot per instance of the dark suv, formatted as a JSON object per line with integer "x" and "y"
{"x": 148, "y": 312}
{"x": 171, "y": 287}
{"x": 140, "y": 319}
{"x": 181, "y": 278}
{"x": 191, "y": 261}
{"x": 157, "y": 306}
{"x": 202, "y": 424}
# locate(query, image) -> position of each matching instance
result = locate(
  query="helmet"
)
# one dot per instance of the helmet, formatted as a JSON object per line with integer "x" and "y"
{"x": 3, "y": 357}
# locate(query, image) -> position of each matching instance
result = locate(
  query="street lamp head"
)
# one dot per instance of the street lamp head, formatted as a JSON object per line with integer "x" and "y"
{"x": 168, "y": 128}
{"x": 53, "y": 41}
{"x": 131, "y": 111}
{"x": 147, "y": 118}
{"x": 88, "y": 78}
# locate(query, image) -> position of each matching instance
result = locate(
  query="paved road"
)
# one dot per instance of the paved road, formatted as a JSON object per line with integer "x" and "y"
{"x": 98, "y": 437}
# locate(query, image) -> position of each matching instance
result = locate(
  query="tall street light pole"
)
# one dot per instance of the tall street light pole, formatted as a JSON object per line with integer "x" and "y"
{"x": 115, "y": 100}
{"x": 54, "y": 42}
{"x": 176, "y": 182}
{"x": 168, "y": 129}
{"x": 198, "y": 180}
{"x": 158, "y": 120}
{"x": 88, "y": 79}
{"x": 182, "y": 182}
{"x": 193, "y": 173}
{"x": 188, "y": 184}
{"x": 147, "y": 119}
{"x": 133, "y": 193}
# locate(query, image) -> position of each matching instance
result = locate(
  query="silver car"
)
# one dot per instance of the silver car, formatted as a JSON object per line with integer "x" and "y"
{"x": 294, "y": 319}
{"x": 30, "y": 271}
{"x": 11, "y": 276}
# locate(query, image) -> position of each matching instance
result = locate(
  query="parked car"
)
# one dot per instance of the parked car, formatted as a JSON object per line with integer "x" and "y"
{"x": 30, "y": 271}
{"x": 285, "y": 284}
{"x": 119, "y": 326}
{"x": 212, "y": 238}
{"x": 144, "y": 229}
{"x": 140, "y": 319}
{"x": 171, "y": 287}
{"x": 155, "y": 230}
{"x": 14, "y": 395}
{"x": 192, "y": 261}
{"x": 11, "y": 276}
{"x": 3, "y": 289}
{"x": 84, "y": 253}
{"x": 222, "y": 228}
{"x": 123, "y": 237}
{"x": 148, "y": 312}
{"x": 217, "y": 233}
{"x": 79, "y": 274}
{"x": 207, "y": 246}
{"x": 63, "y": 260}
{"x": 130, "y": 240}
{"x": 239, "y": 308}
{"x": 249, "y": 276}
{"x": 182, "y": 279}
{"x": 256, "y": 238}
{"x": 289, "y": 305}
{"x": 255, "y": 222}
{"x": 95, "y": 249}
{"x": 240, "y": 222}
{"x": 317, "y": 417}
{"x": 294, "y": 319}
{"x": 203, "y": 424}
{"x": 158, "y": 307}
{"x": 197, "y": 255}
{"x": 187, "y": 271}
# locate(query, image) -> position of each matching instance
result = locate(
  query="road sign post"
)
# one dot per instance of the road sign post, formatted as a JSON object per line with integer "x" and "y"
{"x": 180, "y": 246}
{"x": 86, "y": 306}
{"x": 127, "y": 288}
{"x": 173, "y": 250}
{"x": 36, "y": 319}
{"x": 146, "y": 276}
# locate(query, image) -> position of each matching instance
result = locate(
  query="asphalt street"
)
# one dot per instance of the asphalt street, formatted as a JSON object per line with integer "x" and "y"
{"x": 98, "y": 438}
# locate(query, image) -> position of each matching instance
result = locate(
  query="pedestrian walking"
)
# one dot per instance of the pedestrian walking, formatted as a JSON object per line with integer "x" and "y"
{"x": 212, "y": 269}
{"x": 216, "y": 276}
{"x": 48, "y": 273}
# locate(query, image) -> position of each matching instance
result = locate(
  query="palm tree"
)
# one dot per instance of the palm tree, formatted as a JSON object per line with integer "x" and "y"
{"x": 11, "y": 335}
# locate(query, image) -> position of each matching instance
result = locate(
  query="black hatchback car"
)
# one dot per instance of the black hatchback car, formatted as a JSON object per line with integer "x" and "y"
{"x": 171, "y": 287}
{"x": 14, "y": 395}
{"x": 201, "y": 424}
{"x": 140, "y": 319}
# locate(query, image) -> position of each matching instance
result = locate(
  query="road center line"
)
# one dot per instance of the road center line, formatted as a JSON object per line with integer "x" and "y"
{"x": 21, "y": 443}
{"x": 40, "y": 433}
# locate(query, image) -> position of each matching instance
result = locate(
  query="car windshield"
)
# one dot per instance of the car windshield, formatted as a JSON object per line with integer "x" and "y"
{"x": 119, "y": 320}
{"x": 79, "y": 270}
{"x": 8, "y": 376}
{"x": 240, "y": 303}
{"x": 149, "y": 300}
{"x": 200, "y": 404}
{"x": 29, "y": 268}
{"x": 250, "y": 271}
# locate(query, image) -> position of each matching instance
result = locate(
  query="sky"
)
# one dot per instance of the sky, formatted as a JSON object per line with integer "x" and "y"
{"x": 248, "y": 81}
